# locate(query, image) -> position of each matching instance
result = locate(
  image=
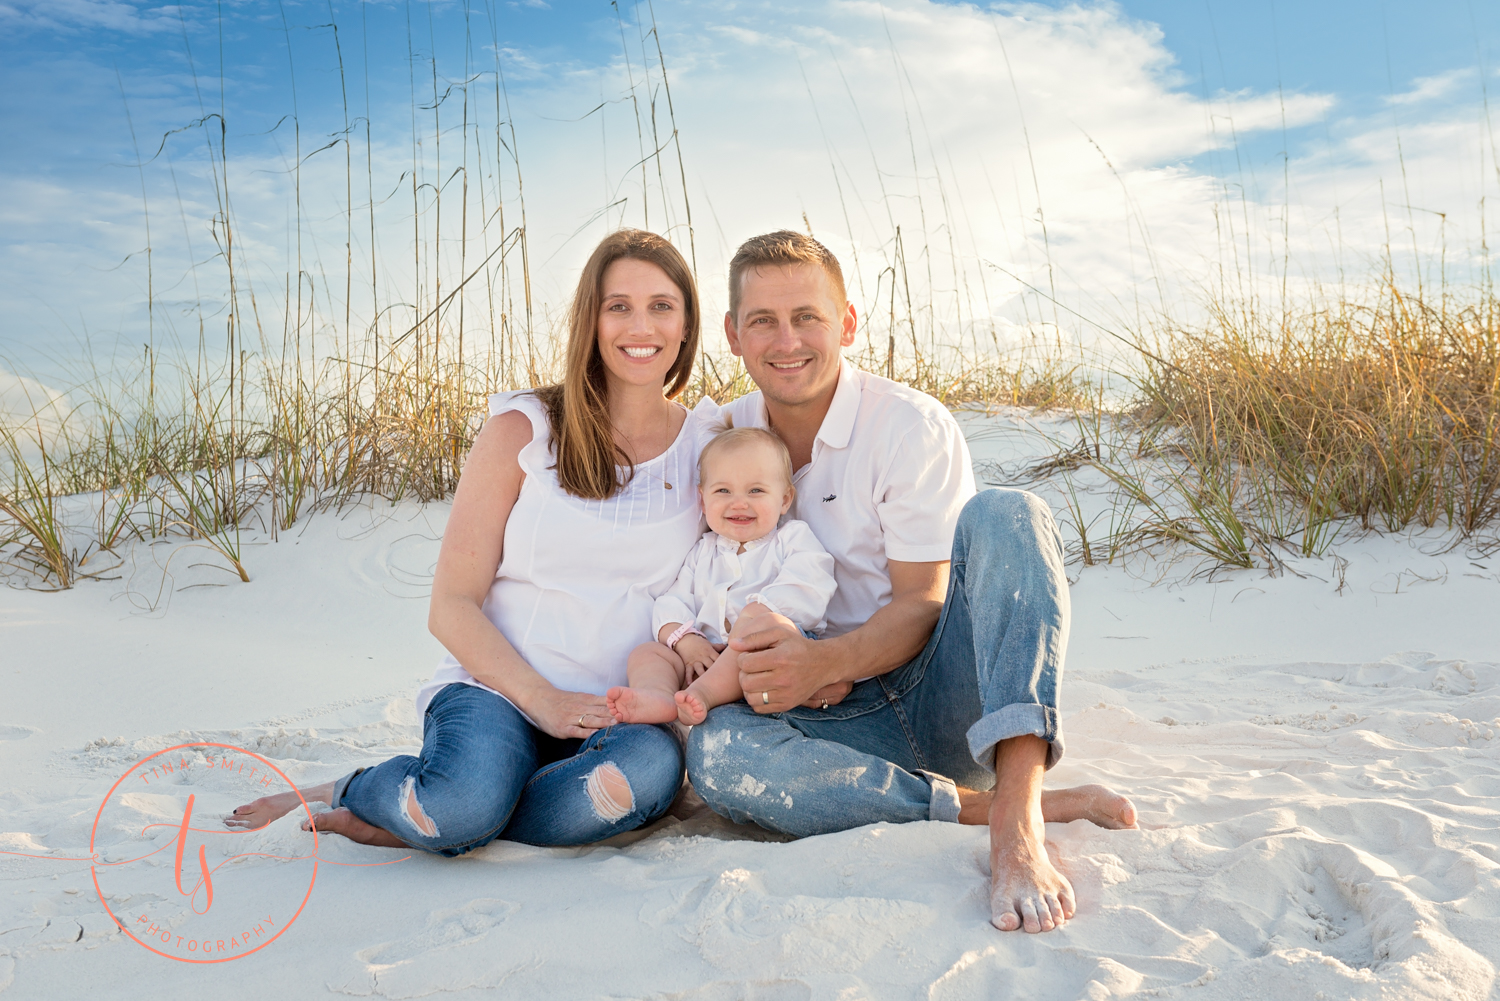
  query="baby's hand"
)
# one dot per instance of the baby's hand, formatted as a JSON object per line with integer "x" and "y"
{"x": 697, "y": 653}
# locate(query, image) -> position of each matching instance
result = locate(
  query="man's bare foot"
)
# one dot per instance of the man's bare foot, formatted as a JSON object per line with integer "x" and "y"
{"x": 257, "y": 814}
{"x": 341, "y": 821}
{"x": 1099, "y": 805}
{"x": 1026, "y": 890}
{"x": 640, "y": 705}
{"x": 691, "y": 709}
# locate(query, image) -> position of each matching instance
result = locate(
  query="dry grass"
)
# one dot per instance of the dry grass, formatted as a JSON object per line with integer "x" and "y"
{"x": 1257, "y": 432}
{"x": 1249, "y": 436}
{"x": 1385, "y": 410}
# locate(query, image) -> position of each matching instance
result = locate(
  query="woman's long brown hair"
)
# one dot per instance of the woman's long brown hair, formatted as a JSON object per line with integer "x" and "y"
{"x": 583, "y": 439}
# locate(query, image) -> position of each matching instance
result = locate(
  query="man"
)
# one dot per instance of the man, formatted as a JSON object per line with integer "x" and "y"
{"x": 937, "y": 675}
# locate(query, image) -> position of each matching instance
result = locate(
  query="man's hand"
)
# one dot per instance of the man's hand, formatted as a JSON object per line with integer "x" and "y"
{"x": 697, "y": 653}
{"x": 780, "y": 669}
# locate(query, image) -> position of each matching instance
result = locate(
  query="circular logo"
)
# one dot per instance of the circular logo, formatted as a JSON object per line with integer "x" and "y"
{"x": 180, "y": 883}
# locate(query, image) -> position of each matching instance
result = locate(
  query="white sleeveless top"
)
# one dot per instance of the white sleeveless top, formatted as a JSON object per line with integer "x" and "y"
{"x": 578, "y": 578}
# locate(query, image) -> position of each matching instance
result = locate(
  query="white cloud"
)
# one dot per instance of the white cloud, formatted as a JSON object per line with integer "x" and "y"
{"x": 112, "y": 15}
{"x": 22, "y": 398}
{"x": 1431, "y": 88}
{"x": 923, "y": 124}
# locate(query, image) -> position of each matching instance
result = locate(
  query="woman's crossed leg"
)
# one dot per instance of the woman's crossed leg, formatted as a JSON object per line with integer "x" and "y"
{"x": 485, "y": 772}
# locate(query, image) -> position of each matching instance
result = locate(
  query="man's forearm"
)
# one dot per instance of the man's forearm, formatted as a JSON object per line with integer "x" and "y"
{"x": 892, "y": 636}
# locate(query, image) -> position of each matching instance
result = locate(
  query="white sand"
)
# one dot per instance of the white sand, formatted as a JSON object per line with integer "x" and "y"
{"x": 1318, "y": 801}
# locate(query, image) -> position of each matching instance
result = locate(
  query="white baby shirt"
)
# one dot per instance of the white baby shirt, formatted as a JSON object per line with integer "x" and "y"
{"x": 890, "y": 472}
{"x": 787, "y": 571}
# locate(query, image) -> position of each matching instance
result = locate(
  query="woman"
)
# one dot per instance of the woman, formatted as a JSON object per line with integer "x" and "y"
{"x": 574, "y": 512}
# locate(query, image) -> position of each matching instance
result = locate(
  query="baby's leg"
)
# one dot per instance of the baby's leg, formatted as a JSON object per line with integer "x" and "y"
{"x": 715, "y": 687}
{"x": 654, "y": 672}
{"x": 720, "y": 684}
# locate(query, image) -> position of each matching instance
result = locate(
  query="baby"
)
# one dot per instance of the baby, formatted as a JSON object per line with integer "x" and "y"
{"x": 743, "y": 575}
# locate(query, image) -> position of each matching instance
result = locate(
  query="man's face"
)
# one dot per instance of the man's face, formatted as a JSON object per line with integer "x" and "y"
{"x": 789, "y": 330}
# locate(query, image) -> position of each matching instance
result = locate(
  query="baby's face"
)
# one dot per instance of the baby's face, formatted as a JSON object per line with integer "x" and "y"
{"x": 744, "y": 491}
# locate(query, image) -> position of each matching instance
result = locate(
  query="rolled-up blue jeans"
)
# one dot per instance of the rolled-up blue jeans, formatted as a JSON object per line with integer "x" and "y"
{"x": 486, "y": 773}
{"x": 896, "y": 748}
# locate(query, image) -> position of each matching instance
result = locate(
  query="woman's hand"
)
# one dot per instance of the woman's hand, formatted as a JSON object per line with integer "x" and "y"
{"x": 698, "y": 654}
{"x": 569, "y": 715}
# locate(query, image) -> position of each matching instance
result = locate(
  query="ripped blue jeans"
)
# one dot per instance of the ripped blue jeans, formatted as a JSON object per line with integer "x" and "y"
{"x": 486, "y": 773}
{"x": 899, "y": 745}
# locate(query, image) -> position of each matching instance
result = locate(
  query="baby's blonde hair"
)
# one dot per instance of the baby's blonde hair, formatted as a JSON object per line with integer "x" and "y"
{"x": 733, "y": 437}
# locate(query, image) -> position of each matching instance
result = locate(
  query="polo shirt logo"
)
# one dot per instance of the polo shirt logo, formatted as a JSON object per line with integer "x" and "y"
{"x": 829, "y": 498}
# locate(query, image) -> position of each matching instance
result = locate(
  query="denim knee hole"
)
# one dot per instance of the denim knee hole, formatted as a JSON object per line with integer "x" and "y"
{"x": 412, "y": 810}
{"x": 607, "y": 786}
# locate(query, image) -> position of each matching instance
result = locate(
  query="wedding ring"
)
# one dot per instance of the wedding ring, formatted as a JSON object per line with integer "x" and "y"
{"x": 580, "y": 722}
{"x": 824, "y": 705}
{"x": 765, "y": 698}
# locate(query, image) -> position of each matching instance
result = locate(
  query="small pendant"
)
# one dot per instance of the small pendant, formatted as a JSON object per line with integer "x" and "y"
{"x": 667, "y": 485}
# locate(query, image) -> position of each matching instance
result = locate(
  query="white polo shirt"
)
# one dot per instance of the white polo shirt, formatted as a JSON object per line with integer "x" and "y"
{"x": 890, "y": 472}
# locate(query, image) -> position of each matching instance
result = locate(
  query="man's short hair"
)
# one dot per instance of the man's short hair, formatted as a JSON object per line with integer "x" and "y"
{"x": 780, "y": 249}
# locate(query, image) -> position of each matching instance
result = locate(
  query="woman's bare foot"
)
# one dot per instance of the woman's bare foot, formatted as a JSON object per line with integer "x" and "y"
{"x": 257, "y": 814}
{"x": 1097, "y": 804}
{"x": 640, "y": 705}
{"x": 691, "y": 709}
{"x": 341, "y": 821}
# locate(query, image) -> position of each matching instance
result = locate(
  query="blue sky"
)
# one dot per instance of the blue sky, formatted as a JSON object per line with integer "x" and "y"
{"x": 1363, "y": 51}
{"x": 863, "y": 116}
{"x": 60, "y": 71}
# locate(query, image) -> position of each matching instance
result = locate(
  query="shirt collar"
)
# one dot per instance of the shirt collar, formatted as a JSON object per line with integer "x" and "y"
{"x": 730, "y": 546}
{"x": 838, "y": 423}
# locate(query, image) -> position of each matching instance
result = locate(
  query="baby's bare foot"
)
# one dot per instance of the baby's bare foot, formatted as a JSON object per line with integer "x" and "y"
{"x": 341, "y": 821}
{"x": 255, "y": 815}
{"x": 640, "y": 705}
{"x": 691, "y": 709}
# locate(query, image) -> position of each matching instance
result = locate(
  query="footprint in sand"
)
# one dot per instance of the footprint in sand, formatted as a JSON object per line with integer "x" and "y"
{"x": 447, "y": 955}
{"x": 1252, "y": 901}
{"x": 742, "y": 928}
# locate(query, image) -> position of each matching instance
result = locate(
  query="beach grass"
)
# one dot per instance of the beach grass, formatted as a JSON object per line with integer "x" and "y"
{"x": 1246, "y": 438}
{"x": 1262, "y": 431}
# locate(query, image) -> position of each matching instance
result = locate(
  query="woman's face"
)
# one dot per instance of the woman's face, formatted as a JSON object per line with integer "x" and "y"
{"x": 641, "y": 318}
